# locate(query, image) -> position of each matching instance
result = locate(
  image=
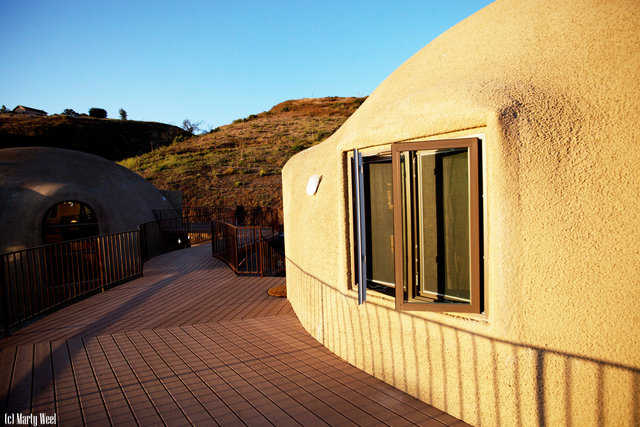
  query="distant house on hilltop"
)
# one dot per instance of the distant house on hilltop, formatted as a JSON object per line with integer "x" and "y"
{"x": 21, "y": 109}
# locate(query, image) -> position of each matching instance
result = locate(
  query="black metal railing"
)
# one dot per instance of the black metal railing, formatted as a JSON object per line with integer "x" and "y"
{"x": 38, "y": 280}
{"x": 251, "y": 250}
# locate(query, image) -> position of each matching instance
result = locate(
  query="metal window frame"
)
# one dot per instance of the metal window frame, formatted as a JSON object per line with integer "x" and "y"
{"x": 400, "y": 210}
{"x": 361, "y": 236}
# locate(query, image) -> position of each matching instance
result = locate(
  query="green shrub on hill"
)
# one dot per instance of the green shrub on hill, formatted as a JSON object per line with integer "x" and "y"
{"x": 98, "y": 113}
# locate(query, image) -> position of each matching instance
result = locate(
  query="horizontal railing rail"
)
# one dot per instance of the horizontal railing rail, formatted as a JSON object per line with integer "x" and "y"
{"x": 38, "y": 280}
{"x": 250, "y": 250}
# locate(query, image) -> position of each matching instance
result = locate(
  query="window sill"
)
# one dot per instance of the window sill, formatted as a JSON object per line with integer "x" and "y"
{"x": 375, "y": 297}
{"x": 474, "y": 317}
{"x": 390, "y": 303}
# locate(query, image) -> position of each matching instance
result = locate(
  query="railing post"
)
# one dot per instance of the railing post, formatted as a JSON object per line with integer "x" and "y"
{"x": 101, "y": 262}
{"x": 5, "y": 298}
{"x": 260, "y": 260}
{"x": 235, "y": 245}
{"x": 141, "y": 236}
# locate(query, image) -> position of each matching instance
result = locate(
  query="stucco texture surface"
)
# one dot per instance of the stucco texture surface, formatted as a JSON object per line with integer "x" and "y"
{"x": 34, "y": 179}
{"x": 553, "y": 87}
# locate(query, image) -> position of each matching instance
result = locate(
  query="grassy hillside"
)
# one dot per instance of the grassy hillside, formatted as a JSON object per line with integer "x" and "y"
{"x": 109, "y": 138}
{"x": 240, "y": 163}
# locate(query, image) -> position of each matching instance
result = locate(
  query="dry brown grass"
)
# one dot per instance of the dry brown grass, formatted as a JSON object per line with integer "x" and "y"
{"x": 240, "y": 163}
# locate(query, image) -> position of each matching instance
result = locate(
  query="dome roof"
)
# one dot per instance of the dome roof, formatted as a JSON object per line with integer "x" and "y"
{"x": 577, "y": 61}
{"x": 33, "y": 179}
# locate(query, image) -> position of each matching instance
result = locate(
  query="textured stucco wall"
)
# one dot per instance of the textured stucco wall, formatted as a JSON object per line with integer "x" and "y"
{"x": 34, "y": 179}
{"x": 553, "y": 86}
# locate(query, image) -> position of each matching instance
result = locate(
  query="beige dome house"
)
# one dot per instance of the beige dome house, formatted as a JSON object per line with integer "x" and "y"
{"x": 474, "y": 239}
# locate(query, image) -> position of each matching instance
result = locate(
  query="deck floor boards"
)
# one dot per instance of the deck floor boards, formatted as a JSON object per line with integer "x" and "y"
{"x": 191, "y": 343}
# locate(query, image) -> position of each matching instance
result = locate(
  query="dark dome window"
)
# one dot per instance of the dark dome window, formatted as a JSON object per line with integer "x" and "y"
{"x": 69, "y": 220}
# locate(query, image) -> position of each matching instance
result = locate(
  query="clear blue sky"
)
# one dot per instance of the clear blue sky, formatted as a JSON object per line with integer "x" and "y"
{"x": 210, "y": 61}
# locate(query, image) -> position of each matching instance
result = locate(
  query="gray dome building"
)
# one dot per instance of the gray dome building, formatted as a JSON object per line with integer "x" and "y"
{"x": 52, "y": 194}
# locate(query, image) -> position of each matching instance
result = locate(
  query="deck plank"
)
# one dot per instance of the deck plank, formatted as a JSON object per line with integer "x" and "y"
{"x": 43, "y": 397}
{"x": 168, "y": 409}
{"x": 7, "y": 362}
{"x": 263, "y": 402}
{"x": 91, "y": 398}
{"x": 178, "y": 359}
{"x": 237, "y": 347}
{"x": 271, "y": 383}
{"x": 66, "y": 392}
{"x": 171, "y": 380}
{"x": 116, "y": 402}
{"x": 20, "y": 394}
{"x": 225, "y": 386}
{"x": 145, "y": 411}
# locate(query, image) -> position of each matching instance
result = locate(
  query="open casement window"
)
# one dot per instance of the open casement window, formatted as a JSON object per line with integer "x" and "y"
{"x": 417, "y": 225}
{"x": 373, "y": 223}
{"x": 437, "y": 225}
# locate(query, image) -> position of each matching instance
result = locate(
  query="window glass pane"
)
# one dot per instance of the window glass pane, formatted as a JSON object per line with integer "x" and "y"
{"x": 444, "y": 233}
{"x": 429, "y": 225}
{"x": 69, "y": 220}
{"x": 379, "y": 222}
{"x": 455, "y": 206}
{"x": 407, "y": 224}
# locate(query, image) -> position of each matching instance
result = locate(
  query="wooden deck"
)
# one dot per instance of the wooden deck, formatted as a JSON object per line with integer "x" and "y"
{"x": 191, "y": 343}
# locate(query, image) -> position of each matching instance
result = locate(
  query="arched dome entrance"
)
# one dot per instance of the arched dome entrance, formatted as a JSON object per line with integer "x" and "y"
{"x": 69, "y": 220}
